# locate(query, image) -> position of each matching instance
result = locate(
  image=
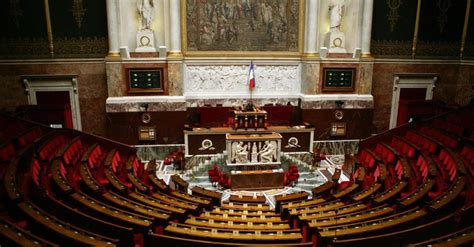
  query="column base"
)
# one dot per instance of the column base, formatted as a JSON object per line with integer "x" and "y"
{"x": 176, "y": 54}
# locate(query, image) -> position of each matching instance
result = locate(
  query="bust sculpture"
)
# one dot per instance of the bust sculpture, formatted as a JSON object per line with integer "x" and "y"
{"x": 146, "y": 12}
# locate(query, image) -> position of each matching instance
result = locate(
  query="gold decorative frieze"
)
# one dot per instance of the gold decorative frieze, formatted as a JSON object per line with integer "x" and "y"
{"x": 393, "y": 15}
{"x": 24, "y": 47}
{"x": 80, "y": 46}
{"x": 78, "y": 11}
{"x": 391, "y": 47}
{"x": 438, "y": 48}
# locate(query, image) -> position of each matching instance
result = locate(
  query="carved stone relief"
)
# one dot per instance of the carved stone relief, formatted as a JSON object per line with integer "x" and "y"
{"x": 233, "y": 80}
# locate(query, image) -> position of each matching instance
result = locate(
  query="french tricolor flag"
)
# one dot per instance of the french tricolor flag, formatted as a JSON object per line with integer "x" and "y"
{"x": 251, "y": 77}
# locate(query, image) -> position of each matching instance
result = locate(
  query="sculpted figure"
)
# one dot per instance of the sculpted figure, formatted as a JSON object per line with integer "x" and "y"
{"x": 146, "y": 11}
{"x": 335, "y": 14}
{"x": 267, "y": 152}
{"x": 240, "y": 152}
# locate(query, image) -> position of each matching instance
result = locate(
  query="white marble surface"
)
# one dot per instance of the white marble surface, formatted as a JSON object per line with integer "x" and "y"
{"x": 143, "y": 99}
{"x": 221, "y": 80}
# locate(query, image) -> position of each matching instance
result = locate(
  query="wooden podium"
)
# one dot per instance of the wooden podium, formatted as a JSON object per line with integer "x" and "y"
{"x": 259, "y": 179}
{"x": 249, "y": 119}
{"x": 253, "y": 149}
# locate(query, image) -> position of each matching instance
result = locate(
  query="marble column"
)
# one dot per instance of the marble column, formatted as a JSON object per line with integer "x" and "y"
{"x": 312, "y": 8}
{"x": 367, "y": 26}
{"x": 175, "y": 26}
{"x": 113, "y": 27}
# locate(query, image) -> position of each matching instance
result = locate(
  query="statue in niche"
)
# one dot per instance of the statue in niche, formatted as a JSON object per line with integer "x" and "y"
{"x": 239, "y": 152}
{"x": 336, "y": 8}
{"x": 268, "y": 152}
{"x": 146, "y": 11}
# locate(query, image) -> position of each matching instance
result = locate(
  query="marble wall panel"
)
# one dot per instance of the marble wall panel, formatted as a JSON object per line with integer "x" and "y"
{"x": 310, "y": 83}
{"x": 364, "y": 78}
{"x": 175, "y": 79}
{"x": 115, "y": 87}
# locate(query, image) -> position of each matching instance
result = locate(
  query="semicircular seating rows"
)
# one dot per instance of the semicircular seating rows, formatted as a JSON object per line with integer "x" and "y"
{"x": 410, "y": 185}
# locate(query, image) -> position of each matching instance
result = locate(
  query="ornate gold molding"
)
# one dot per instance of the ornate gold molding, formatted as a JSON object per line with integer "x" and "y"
{"x": 49, "y": 29}
{"x": 437, "y": 49}
{"x": 311, "y": 55}
{"x": 391, "y": 48}
{"x": 81, "y": 47}
{"x": 464, "y": 30}
{"x": 417, "y": 25}
{"x": 174, "y": 54}
{"x": 24, "y": 48}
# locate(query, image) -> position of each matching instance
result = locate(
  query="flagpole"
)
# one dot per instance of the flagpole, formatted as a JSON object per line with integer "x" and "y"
{"x": 251, "y": 89}
{"x": 251, "y": 73}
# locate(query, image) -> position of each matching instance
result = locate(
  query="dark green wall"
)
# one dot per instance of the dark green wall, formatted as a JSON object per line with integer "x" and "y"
{"x": 440, "y": 28}
{"x": 24, "y": 34}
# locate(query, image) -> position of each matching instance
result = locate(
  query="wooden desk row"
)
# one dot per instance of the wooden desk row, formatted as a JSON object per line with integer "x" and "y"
{"x": 194, "y": 199}
{"x": 347, "y": 209}
{"x": 116, "y": 184}
{"x": 366, "y": 193}
{"x": 214, "y": 196}
{"x": 293, "y": 197}
{"x": 177, "y": 208}
{"x": 219, "y": 210}
{"x": 175, "y": 201}
{"x": 448, "y": 196}
{"x": 65, "y": 232}
{"x": 240, "y": 218}
{"x": 59, "y": 180}
{"x": 253, "y": 236}
{"x": 323, "y": 189}
{"x": 89, "y": 181}
{"x": 226, "y": 224}
{"x": 247, "y": 199}
{"x": 285, "y": 208}
{"x": 12, "y": 235}
{"x": 244, "y": 206}
{"x": 161, "y": 213}
{"x": 116, "y": 215}
{"x": 346, "y": 191}
{"x": 351, "y": 217}
{"x": 10, "y": 182}
{"x": 418, "y": 194}
{"x": 370, "y": 226}
{"x": 179, "y": 183}
{"x": 137, "y": 183}
{"x": 391, "y": 193}
{"x": 317, "y": 208}
{"x": 77, "y": 217}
